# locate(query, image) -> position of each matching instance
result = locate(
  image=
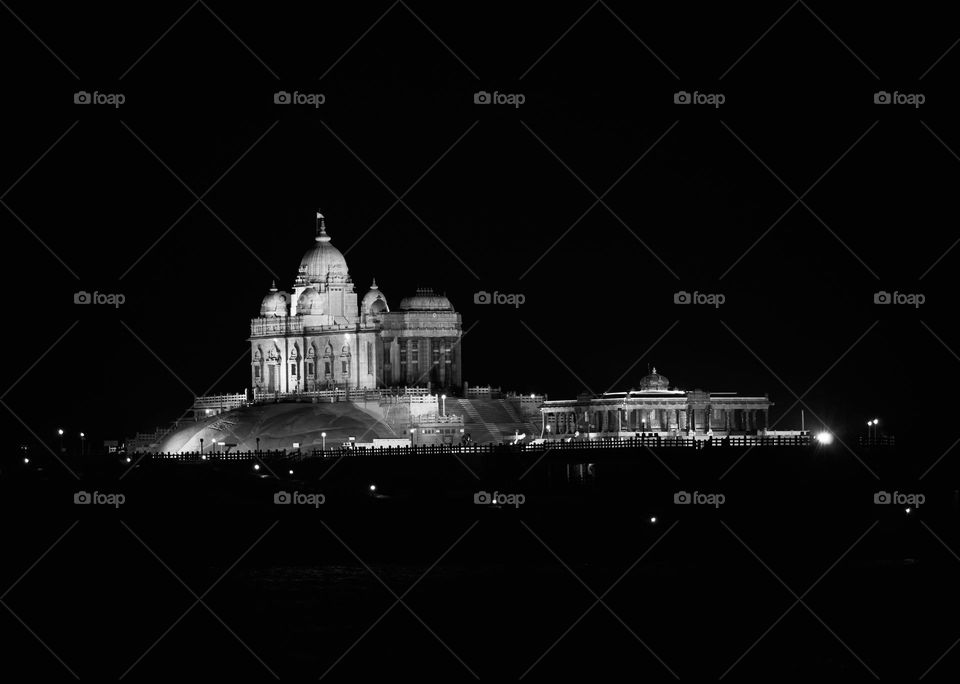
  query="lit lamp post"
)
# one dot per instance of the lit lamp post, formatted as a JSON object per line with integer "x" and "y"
{"x": 443, "y": 404}
{"x": 60, "y": 433}
{"x": 83, "y": 438}
{"x": 323, "y": 436}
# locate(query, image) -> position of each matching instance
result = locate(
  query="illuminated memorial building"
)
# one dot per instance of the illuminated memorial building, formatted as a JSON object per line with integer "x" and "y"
{"x": 320, "y": 337}
{"x": 656, "y": 408}
{"x": 328, "y": 366}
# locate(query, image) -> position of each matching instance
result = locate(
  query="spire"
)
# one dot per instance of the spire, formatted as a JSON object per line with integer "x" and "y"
{"x": 273, "y": 286}
{"x": 321, "y": 229}
{"x": 373, "y": 285}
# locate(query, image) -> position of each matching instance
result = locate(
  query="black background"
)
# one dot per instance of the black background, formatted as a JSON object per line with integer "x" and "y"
{"x": 100, "y": 200}
{"x": 498, "y": 200}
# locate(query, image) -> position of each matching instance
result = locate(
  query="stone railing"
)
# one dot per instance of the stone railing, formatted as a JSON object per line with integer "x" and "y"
{"x": 223, "y": 402}
{"x": 275, "y": 325}
{"x": 487, "y": 392}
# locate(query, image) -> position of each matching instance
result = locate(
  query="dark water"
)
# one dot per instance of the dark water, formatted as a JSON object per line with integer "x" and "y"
{"x": 488, "y": 593}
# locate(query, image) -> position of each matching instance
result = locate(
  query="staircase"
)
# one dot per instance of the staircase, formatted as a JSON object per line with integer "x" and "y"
{"x": 480, "y": 428}
{"x": 492, "y": 420}
{"x": 530, "y": 427}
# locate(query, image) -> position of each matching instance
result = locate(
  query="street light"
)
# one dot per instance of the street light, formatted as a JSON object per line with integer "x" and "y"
{"x": 443, "y": 404}
{"x": 83, "y": 438}
{"x": 60, "y": 433}
{"x": 323, "y": 436}
{"x": 872, "y": 424}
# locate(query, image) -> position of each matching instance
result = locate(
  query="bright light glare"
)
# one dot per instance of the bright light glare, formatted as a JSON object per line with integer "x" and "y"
{"x": 824, "y": 438}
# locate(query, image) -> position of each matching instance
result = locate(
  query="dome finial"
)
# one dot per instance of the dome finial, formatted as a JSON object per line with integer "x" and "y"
{"x": 273, "y": 286}
{"x": 321, "y": 229}
{"x": 373, "y": 285}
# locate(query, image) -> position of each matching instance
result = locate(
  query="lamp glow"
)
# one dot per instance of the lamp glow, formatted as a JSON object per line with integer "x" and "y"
{"x": 824, "y": 438}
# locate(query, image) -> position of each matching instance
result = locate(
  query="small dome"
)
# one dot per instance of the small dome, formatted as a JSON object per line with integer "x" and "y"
{"x": 374, "y": 302}
{"x": 323, "y": 262}
{"x": 426, "y": 300}
{"x": 310, "y": 302}
{"x": 654, "y": 381}
{"x": 275, "y": 303}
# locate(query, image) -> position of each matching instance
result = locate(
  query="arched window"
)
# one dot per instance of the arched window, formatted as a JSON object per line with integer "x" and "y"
{"x": 345, "y": 360}
{"x": 327, "y": 361}
{"x": 257, "y": 364}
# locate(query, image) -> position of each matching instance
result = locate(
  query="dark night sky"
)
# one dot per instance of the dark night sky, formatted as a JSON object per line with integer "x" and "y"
{"x": 399, "y": 99}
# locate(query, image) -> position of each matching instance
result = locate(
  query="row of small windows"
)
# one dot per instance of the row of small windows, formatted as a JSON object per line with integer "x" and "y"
{"x": 345, "y": 368}
{"x": 294, "y": 371}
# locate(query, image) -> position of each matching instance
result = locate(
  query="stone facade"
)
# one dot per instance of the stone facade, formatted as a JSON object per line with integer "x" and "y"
{"x": 655, "y": 408}
{"x": 320, "y": 337}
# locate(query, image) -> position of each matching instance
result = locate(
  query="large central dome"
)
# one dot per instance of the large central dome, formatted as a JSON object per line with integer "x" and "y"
{"x": 323, "y": 262}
